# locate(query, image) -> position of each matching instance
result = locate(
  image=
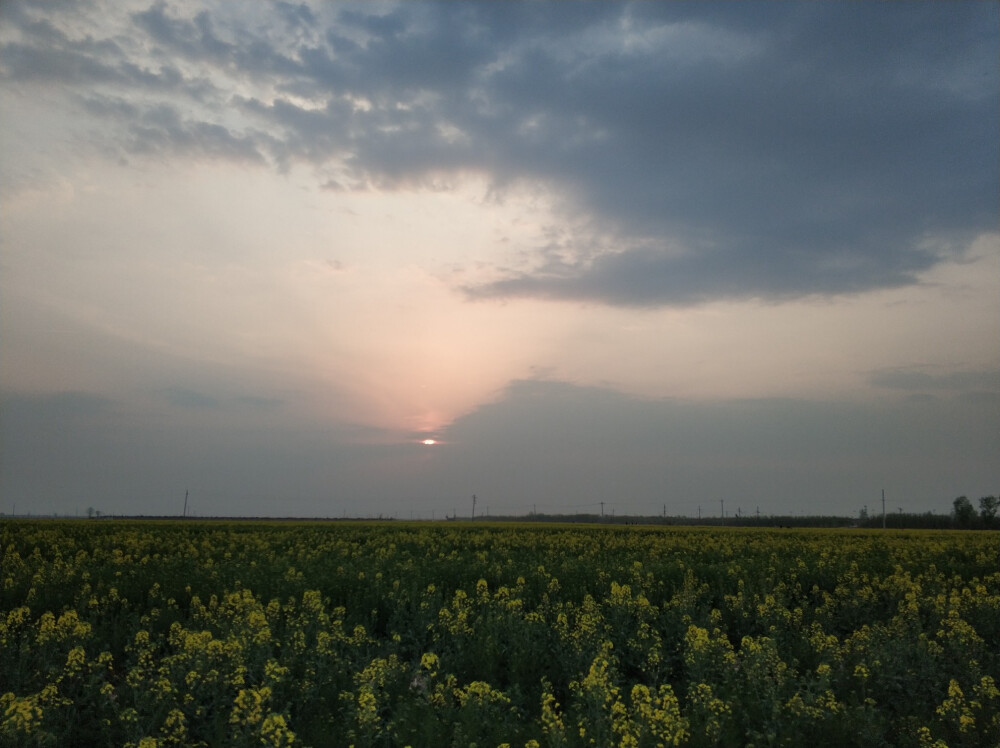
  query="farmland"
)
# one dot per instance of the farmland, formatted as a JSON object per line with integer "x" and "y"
{"x": 148, "y": 634}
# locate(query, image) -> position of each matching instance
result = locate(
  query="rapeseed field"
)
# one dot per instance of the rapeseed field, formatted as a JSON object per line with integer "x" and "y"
{"x": 152, "y": 634}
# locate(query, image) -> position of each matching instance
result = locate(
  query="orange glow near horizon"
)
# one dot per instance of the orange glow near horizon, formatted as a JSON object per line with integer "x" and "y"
{"x": 429, "y": 442}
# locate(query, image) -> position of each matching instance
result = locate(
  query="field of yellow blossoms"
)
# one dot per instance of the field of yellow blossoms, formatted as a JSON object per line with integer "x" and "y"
{"x": 148, "y": 634}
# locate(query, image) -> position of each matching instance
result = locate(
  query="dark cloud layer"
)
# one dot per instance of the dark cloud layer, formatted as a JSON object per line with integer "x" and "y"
{"x": 724, "y": 150}
{"x": 548, "y": 445}
{"x": 564, "y": 446}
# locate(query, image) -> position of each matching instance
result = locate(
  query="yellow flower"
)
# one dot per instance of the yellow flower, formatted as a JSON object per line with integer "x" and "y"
{"x": 75, "y": 659}
{"x": 174, "y": 727}
{"x": 552, "y": 724}
{"x": 274, "y": 732}
{"x": 247, "y": 706}
{"x": 927, "y": 740}
{"x": 367, "y": 708}
{"x": 429, "y": 661}
{"x": 20, "y": 715}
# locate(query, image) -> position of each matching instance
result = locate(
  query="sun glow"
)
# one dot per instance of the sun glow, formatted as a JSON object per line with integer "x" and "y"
{"x": 429, "y": 442}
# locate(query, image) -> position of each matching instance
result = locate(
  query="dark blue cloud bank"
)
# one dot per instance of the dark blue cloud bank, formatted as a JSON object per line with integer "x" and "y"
{"x": 720, "y": 150}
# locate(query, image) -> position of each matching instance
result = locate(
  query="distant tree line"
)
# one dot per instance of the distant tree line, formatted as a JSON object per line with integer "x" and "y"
{"x": 965, "y": 516}
{"x": 908, "y": 520}
{"x": 927, "y": 521}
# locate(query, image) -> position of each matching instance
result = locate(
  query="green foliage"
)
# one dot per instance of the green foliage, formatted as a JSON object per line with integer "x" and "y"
{"x": 965, "y": 513}
{"x": 149, "y": 634}
{"x": 988, "y": 506}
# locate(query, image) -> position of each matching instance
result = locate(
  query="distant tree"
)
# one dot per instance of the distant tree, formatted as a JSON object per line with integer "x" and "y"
{"x": 988, "y": 506}
{"x": 965, "y": 513}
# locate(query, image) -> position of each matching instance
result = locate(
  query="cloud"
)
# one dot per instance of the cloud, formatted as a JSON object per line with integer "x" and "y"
{"x": 561, "y": 444}
{"x": 190, "y": 398}
{"x": 191, "y": 38}
{"x": 724, "y": 152}
{"x": 547, "y": 444}
{"x": 236, "y": 454}
{"x": 915, "y": 380}
{"x": 162, "y": 130}
{"x": 649, "y": 276}
{"x": 60, "y": 407}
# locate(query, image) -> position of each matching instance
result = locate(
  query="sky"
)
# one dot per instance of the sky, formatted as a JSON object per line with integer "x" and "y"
{"x": 372, "y": 259}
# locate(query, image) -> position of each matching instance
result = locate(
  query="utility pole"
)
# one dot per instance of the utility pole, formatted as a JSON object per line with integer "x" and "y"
{"x": 883, "y": 508}
{"x": 185, "y": 504}
{"x": 602, "y": 510}
{"x": 473, "y": 506}
{"x": 699, "y": 512}
{"x": 722, "y": 503}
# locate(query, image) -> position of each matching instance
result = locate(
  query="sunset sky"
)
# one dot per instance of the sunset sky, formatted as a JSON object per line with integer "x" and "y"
{"x": 373, "y": 258}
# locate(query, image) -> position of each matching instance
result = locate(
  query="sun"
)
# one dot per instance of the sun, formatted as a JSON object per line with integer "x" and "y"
{"x": 429, "y": 442}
